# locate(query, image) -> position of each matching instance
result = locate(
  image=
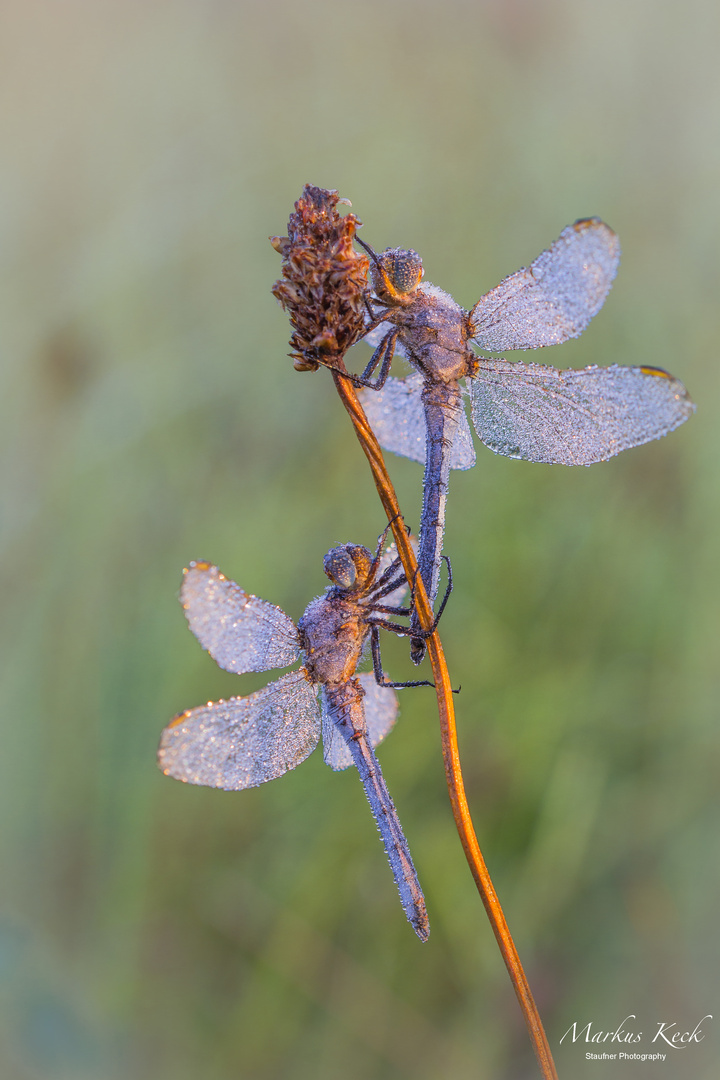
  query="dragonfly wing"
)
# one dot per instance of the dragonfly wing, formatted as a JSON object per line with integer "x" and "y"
{"x": 335, "y": 751}
{"x": 573, "y": 417}
{"x": 241, "y": 632}
{"x": 462, "y": 452}
{"x": 397, "y": 416}
{"x": 242, "y": 742}
{"x": 555, "y": 297}
{"x": 381, "y": 710}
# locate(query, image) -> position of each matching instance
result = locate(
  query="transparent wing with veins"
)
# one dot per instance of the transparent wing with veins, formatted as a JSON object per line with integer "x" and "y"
{"x": 573, "y": 417}
{"x": 244, "y": 741}
{"x": 397, "y": 416}
{"x": 381, "y": 711}
{"x": 241, "y": 632}
{"x": 555, "y": 297}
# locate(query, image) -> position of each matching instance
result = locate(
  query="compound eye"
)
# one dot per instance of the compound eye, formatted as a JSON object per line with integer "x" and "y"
{"x": 340, "y": 567}
{"x": 363, "y": 562}
{"x": 405, "y": 269}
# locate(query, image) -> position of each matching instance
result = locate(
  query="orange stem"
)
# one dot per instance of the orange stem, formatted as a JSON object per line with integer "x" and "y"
{"x": 448, "y": 732}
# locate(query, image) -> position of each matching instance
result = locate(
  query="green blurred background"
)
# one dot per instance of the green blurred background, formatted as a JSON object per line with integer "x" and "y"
{"x": 150, "y": 416}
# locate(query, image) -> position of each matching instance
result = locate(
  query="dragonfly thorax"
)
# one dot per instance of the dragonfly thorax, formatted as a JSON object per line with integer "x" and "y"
{"x": 332, "y": 635}
{"x": 433, "y": 331}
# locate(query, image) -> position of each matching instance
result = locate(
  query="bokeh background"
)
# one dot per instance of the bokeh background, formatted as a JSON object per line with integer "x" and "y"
{"x": 150, "y": 415}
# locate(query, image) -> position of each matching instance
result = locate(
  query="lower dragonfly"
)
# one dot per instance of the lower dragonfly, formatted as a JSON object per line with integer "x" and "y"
{"x": 245, "y": 741}
{"x": 570, "y": 417}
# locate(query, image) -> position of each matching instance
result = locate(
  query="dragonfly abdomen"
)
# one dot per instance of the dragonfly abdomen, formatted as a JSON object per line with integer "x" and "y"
{"x": 443, "y": 405}
{"x": 346, "y": 708}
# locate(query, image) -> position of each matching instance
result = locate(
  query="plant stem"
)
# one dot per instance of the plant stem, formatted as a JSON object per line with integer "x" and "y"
{"x": 448, "y": 732}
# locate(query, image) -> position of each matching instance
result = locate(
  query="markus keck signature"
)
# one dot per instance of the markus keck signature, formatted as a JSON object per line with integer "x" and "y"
{"x": 666, "y": 1033}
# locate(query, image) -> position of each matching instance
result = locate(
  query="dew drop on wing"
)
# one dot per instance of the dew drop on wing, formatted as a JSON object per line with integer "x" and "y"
{"x": 573, "y": 417}
{"x": 397, "y": 416}
{"x": 381, "y": 710}
{"x": 241, "y": 632}
{"x": 554, "y": 298}
{"x": 244, "y": 741}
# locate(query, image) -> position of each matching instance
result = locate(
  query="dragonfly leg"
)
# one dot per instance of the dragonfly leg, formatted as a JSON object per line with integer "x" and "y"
{"x": 392, "y": 579}
{"x": 373, "y": 582}
{"x": 377, "y": 663}
{"x": 383, "y": 356}
{"x": 354, "y": 379}
{"x": 375, "y": 319}
{"x": 419, "y": 634}
{"x": 381, "y": 544}
{"x": 446, "y": 597}
{"x": 417, "y": 644}
{"x": 385, "y": 624}
{"x": 387, "y": 583}
{"x": 386, "y": 609}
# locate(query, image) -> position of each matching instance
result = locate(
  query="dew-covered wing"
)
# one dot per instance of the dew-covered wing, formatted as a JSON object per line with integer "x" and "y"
{"x": 555, "y": 297}
{"x": 397, "y": 416}
{"x": 381, "y": 710}
{"x": 335, "y": 751}
{"x": 381, "y": 707}
{"x": 573, "y": 417}
{"x": 241, "y": 632}
{"x": 244, "y": 741}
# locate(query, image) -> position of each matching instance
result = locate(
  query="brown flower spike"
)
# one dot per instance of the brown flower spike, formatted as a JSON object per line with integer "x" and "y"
{"x": 324, "y": 280}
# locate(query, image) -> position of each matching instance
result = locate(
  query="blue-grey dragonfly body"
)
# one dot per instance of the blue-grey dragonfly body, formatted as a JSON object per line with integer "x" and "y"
{"x": 520, "y": 410}
{"x": 245, "y": 741}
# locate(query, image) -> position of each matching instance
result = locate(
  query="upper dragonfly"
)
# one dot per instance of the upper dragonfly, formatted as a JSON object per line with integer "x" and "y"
{"x": 520, "y": 410}
{"x": 242, "y": 742}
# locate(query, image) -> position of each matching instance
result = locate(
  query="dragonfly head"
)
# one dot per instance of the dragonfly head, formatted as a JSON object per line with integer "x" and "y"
{"x": 348, "y": 566}
{"x": 397, "y": 274}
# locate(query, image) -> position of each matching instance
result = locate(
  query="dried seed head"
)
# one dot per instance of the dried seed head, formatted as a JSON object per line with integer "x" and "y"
{"x": 324, "y": 279}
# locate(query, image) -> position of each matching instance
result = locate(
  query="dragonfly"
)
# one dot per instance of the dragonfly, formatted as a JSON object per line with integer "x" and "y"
{"x": 245, "y": 741}
{"x": 519, "y": 410}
